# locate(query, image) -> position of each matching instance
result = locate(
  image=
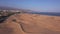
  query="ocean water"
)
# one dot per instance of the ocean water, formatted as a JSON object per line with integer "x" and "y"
{"x": 47, "y": 13}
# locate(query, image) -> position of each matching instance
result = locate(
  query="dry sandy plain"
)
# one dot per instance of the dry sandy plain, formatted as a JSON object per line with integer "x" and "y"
{"x": 31, "y": 24}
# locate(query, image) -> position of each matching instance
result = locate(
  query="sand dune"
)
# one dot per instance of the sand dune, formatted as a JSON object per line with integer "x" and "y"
{"x": 31, "y": 24}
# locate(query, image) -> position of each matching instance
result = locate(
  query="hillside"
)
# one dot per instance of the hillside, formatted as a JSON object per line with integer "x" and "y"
{"x": 31, "y": 24}
{"x": 8, "y": 8}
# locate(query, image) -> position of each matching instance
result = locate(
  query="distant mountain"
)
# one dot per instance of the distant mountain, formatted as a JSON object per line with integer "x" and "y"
{"x": 8, "y": 8}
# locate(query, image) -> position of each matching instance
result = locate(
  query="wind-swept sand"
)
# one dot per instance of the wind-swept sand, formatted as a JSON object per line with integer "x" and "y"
{"x": 31, "y": 24}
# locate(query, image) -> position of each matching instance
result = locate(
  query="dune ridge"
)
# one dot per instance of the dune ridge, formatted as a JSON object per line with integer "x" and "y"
{"x": 33, "y": 24}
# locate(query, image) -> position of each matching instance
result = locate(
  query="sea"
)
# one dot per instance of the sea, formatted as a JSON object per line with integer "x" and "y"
{"x": 47, "y": 13}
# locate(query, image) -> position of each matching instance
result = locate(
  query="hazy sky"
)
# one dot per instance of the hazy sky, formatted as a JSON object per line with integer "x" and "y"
{"x": 38, "y": 5}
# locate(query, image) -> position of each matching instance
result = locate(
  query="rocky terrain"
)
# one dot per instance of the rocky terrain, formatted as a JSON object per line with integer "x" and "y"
{"x": 25, "y": 23}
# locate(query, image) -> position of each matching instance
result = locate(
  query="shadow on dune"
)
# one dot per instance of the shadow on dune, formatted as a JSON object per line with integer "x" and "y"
{"x": 3, "y": 18}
